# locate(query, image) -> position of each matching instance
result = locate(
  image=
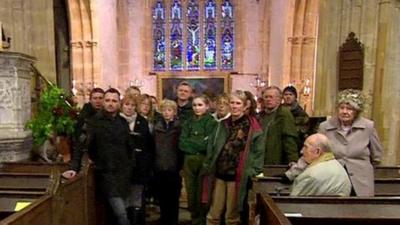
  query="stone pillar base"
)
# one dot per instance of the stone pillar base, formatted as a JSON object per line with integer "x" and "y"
{"x": 15, "y": 106}
{"x": 15, "y": 147}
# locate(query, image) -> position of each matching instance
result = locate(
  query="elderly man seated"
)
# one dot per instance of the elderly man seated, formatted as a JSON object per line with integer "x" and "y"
{"x": 324, "y": 175}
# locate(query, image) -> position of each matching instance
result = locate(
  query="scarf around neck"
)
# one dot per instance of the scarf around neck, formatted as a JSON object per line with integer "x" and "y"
{"x": 131, "y": 120}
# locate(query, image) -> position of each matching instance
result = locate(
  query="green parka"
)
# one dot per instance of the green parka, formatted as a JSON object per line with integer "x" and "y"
{"x": 281, "y": 137}
{"x": 195, "y": 134}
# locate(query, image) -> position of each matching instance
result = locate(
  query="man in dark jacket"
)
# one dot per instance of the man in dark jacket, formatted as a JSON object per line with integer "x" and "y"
{"x": 281, "y": 133}
{"x": 184, "y": 93}
{"x": 301, "y": 118}
{"x": 89, "y": 109}
{"x": 109, "y": 148}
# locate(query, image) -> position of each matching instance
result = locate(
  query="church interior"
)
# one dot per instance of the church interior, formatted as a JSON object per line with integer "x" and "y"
{"x": 79, "y": 44}
{"x": 248, "y": 44}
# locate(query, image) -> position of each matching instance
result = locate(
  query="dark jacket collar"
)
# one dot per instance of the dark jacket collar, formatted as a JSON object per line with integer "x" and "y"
{"x": 106, "y": 116}
{"x": 88, "y": 109}
{"x": 186, "y": 106}
{"x": 161, "y": 124}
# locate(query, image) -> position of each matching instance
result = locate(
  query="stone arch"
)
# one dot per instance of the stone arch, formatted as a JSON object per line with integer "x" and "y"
{"x": 299, "y": 61}
{"x": 83, "y": 47}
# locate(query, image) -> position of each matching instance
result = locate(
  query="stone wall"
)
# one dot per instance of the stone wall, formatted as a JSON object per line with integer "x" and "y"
{"x": 375, "y": 24}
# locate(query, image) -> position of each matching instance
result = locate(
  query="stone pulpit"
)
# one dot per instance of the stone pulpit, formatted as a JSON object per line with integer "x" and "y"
{"x": 15, "y": 106}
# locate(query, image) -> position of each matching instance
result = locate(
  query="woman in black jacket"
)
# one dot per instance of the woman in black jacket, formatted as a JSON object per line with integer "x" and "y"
{"x": 143, "y": 148}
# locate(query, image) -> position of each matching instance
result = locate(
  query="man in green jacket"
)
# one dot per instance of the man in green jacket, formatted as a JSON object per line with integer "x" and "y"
{"x": 279, "y": 126}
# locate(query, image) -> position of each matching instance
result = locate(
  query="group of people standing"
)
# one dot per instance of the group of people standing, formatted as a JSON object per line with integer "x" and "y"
{"x": 217, "y": 145}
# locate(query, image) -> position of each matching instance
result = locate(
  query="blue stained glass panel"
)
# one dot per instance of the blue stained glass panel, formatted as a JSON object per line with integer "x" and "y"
{"x": 193, "y": 37}
{"x": 176, "y": 36}
{"x": 210, "y": 30}
{"x": 159, "y": 36}
{"x": 227, "y": 35}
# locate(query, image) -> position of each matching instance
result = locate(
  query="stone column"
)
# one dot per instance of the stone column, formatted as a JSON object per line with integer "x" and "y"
{"x": 15, "y": 106}
{"x": 386, "y": 83}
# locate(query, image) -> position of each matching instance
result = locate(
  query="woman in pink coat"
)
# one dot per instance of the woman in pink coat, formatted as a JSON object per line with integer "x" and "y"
{"x": 355, "y": 141}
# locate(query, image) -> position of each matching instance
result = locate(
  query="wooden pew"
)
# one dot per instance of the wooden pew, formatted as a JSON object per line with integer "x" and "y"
{"x": 387, "y": 183}
{"x": 65, "y": 202}
{"x": 39, "y": 182}
{"x": 33, "y": 167}
{"x": 24, "y": 188}
{"x": 9, "y": 201}
{"x": 380, "y": 171}
{"x": 26, "y": 198}
{"x": 387, "y": 172}
{"x": 269, "y": 213}
{"x": 37, "y": 213}
{"x": 339, "y": 210}
{"x": 274, "y": 170}
{"x": 274, "y": 186}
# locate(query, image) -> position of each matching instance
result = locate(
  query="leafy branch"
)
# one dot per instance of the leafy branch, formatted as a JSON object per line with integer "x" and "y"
{"x": 54, "y": 117}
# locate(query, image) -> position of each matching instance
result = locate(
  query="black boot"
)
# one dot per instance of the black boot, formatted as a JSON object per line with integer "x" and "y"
{"x": 132, "y": 215}
{"x": 141, "y": 216}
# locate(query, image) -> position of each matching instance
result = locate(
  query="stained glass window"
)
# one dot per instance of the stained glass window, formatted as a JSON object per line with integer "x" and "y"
{"x": 193, "y": 35}
{"x": 159, "y": 36}
{"x": 210, "y": 33}
{"x": 176, "y": 36}
{"x": 227, "y": 41}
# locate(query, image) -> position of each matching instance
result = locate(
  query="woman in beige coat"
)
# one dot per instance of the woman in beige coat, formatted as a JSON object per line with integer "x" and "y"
{"x": 354, "y": 140}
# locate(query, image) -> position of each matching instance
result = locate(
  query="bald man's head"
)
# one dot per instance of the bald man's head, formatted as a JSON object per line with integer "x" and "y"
{"x": 315, "y": 146}
{"x": 321, "y": 141}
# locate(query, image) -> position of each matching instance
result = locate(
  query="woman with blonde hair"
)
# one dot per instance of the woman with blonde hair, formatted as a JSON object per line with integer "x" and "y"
{"x": 234, "y": 155}
{"x": 143, "y": 150}
{"x": 145, "y": 109}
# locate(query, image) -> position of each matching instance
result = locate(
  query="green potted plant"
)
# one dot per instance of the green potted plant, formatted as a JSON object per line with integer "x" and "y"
{"x": 55, "y": 119}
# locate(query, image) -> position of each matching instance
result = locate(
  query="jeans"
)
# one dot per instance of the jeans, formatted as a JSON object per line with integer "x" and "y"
{"x": 119, "y": 209}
